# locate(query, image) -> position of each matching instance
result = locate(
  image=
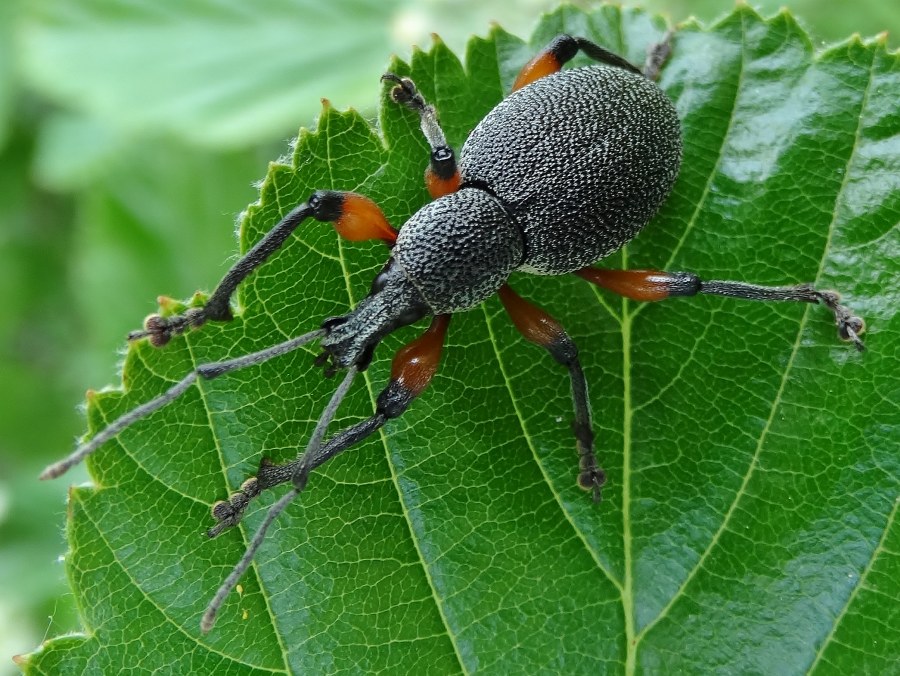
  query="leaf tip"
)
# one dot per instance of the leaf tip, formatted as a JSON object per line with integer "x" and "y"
{"x": 786, "y": 16}
{"x": 855, "y": 41}
{"x": 692, "y": 23}
{"x": 398, "y": 66}
{"x": 747, "y": 12}
{"x": 20, "y": 660}
{"x": 169, "y": 306}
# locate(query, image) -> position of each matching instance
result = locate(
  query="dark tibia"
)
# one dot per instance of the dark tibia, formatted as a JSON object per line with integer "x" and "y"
{"x": 442, "y": 176}
{"x": 598, "y": 53}
{"x": 217, "y": 307}
{"x": 849, "y": 326}
{"x": 590, "y": 476}
{"x": 160, "y": 330}
{"x": 298, "y": 471}
{"x": 560, "y": 51}
{"x": 355, "y": 218}
{"x": 229, "y": 513}
{"x": 392, "y": 403}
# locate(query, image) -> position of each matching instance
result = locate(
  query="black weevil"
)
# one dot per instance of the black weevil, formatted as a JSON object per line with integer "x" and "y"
{"x": 562, "y": 173}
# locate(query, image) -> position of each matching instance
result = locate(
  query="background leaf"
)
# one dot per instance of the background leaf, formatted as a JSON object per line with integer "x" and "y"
{"x": 750, "y": 518}
{"x": 185, "y": 95}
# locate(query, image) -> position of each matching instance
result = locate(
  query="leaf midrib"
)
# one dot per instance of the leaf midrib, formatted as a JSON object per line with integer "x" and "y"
{"x": 438, "y": 601}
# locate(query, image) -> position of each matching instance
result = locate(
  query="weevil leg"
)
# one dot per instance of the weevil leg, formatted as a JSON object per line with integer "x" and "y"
{"x": 441, "y": 175}
{"x": 229, "y": 512}
{"x": 250, "y": 489}
{"x": 354, "y": 216}
{"x": 205, "y": 371}
{"x": 560, "y": 51}
{"x": 541, "y": 329}
{"x": 411, "y": 371}
{"x": 652, "y": 285}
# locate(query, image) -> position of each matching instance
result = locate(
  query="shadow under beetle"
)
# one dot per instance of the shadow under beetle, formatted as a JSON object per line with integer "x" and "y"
{"x": 560, "y": 174}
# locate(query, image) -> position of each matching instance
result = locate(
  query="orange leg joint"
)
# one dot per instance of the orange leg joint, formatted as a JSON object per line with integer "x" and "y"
{"x": 415, "y": 364}
{"x": 438, "y": 186}
{"x": 360, "y": 219}
{"x": 533, "y": 323}
{"x": 543, "y": 64}
{"x": 643, "y": 285}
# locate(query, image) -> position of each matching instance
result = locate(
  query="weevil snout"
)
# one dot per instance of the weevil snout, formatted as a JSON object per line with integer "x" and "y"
{"x": 351, "y": 339}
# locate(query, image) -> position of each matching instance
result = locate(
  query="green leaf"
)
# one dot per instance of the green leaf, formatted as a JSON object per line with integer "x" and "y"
{"x": 9, "y": 14}
{"x": 749, "y": 524}
{"x": 216, "y": 71}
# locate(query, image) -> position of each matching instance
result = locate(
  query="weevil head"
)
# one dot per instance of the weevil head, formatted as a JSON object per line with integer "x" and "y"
{"x": 351, "y": 339}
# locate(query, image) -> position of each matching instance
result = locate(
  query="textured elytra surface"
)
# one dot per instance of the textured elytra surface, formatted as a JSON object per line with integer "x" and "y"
{"x": 749, "y": 523}
{"x": 581, "y": 158}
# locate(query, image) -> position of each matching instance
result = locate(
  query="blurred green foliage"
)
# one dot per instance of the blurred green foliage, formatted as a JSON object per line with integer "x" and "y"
{"x": 131, "y": 132}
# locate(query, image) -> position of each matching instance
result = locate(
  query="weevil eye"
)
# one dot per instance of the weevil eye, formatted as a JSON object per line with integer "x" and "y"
{"x": 411, "y": 315}
{"x": 381, "y": 279}
{"x": 333, "y": 322}
{"x": 379, "y": 282}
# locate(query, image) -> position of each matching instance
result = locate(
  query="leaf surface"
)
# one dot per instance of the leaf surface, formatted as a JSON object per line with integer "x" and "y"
{"x": 209, "y": 71}
{"x": 749, "y": 523}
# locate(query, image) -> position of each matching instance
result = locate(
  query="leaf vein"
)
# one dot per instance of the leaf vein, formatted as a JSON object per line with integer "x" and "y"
{"x": 438, "y": 601}
{"x": 241, "y": 525}
{"x": 860, "y": 584}
{"x": 707, "y": 188}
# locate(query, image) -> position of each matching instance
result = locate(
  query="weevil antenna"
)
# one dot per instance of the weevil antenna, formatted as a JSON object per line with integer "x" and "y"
{"x": 205, "y": 371}
{"x": 315, "y": 442}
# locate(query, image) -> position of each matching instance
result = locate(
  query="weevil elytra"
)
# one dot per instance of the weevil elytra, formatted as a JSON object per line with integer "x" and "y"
{"x": 562, "y": 173}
